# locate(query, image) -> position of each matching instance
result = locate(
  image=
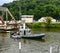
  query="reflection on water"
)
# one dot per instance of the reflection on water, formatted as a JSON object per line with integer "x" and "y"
{"x": 8, "y": 45}
{"x": 52, "y": 38}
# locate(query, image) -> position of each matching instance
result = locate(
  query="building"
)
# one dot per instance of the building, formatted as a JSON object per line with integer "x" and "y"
{"x": 27, "y": 18}
{"x": 43, "y": 19}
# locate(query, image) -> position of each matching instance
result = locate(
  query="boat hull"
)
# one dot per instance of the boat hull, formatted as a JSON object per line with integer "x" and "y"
{"x": 15, "y": 37}
{"x": 40, "y": 36}
{"x": 35, "y": 36}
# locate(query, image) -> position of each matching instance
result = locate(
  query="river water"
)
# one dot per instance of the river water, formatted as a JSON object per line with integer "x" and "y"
{"x": 51, "y": 39}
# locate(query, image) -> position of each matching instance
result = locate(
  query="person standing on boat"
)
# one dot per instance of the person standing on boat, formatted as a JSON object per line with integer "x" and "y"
{"x": 24, "y": 32}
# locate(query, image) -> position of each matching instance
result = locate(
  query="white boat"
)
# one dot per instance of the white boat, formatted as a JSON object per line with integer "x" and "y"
{"x": 25, "y": 32}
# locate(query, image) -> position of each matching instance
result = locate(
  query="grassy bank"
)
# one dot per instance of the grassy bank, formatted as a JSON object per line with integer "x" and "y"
{"x": 43, "y": 25}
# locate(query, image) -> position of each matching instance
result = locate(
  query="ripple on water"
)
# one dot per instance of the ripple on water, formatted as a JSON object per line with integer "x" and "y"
{"x": 8, "y": 45}
{"x": 36, "y": 46}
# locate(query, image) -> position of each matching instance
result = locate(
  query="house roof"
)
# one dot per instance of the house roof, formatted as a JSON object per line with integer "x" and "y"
{"x": 28, "y": 16}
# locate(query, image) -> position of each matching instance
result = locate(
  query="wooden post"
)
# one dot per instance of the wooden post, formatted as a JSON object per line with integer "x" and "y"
{"x": 19, "y": 47}
{"x": 51, "y": 49}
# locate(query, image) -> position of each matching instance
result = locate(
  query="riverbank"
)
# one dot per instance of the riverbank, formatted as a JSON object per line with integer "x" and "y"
{"x": 43, "y": 25}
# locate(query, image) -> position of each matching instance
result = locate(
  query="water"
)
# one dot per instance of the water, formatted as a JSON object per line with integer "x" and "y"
{"x": 52, "y": 38}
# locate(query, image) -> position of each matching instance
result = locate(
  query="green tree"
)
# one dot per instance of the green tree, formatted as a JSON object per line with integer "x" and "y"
{"x": 48, "y": 21}
{"x": 38, "y": 8}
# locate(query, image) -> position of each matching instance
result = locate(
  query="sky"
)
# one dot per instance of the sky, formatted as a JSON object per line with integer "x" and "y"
{"x": 5, "y": 1}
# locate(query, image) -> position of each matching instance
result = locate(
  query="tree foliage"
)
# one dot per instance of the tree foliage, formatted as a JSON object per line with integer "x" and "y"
{"x": 39, "y": 8}
{"x": 48, "y": 21}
